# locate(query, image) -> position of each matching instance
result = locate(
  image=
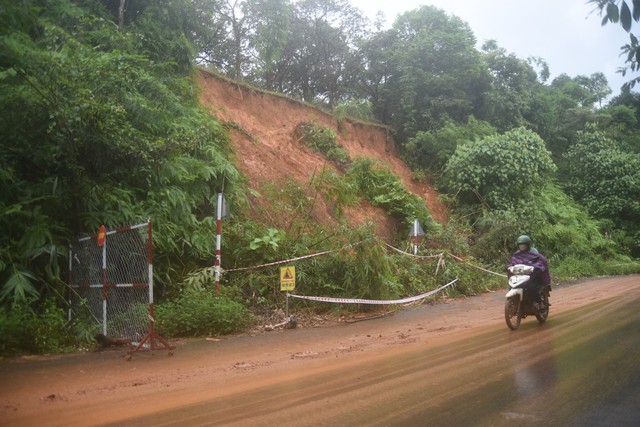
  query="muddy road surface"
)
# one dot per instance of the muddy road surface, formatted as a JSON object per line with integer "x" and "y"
{"x": 454, "y": 363}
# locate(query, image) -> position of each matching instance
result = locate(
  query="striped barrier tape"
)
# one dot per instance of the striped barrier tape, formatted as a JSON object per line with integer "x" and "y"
{"x": 376, "y": 302}
{"x": 280, "y": 262}
{"x": 412, "y": 255}
{"x": 284, "y": 261}
{"x": 475, "y": 266}
{"x": 440, "y": 260}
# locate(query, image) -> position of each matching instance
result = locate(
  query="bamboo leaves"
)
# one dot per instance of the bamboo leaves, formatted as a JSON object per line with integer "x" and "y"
{"x": 19, "y": 286}
{"x": 100, "y": 131}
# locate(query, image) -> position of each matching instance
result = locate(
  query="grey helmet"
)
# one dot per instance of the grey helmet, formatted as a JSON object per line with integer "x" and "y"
{"x": 524, "y": 240}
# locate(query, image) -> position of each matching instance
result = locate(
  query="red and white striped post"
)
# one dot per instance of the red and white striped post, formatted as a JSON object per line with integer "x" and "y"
{"x": 218, "y": 240}
{"x": 152, "y": 316}
{"x": 69, "y": 282}
{"x": 102, "y": 242}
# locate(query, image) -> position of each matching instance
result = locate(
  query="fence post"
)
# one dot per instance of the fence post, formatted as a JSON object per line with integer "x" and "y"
{"x": 104, "y": 286}
{"x": 219, "y": 213}
{"x": 152, "y": 318}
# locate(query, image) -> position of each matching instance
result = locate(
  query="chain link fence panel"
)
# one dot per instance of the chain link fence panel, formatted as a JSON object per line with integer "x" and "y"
{"x": 111, "y": 277}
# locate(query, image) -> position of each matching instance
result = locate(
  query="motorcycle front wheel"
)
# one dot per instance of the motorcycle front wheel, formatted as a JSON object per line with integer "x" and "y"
{"x": 511, "y": 313}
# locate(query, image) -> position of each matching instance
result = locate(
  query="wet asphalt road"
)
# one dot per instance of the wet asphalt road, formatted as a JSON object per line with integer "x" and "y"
{"x": 581, "y": 368}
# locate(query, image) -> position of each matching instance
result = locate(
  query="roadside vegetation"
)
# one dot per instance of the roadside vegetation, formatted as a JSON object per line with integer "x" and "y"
{"x": 101, "y": 124}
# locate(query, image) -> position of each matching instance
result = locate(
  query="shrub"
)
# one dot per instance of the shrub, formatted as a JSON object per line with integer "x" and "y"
{"x": 322, "y": 140}
{"x": 30, "y": 329}
{"x": 574, "y": 268}
{"x": 500, "y": 170}
{"x": 382, "y": 188}
{"x": 431, "y": 149}
{"x": 358, "y": 108}
{"x": 606, "y": 180}
{"x": 201, "y": 313}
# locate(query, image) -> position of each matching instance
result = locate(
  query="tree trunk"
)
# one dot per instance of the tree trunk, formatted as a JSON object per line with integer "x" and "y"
{"x": 121, "y": 15}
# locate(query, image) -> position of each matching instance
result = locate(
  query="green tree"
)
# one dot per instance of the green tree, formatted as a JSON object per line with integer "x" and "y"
{"x": 606, "y": 180}
{"x": 94, "y": 132}
{"x": 378, "y": 74}
{"x": 430, "y": 150}
{"x": 270, "y": 24}
{"x": 217, "y": 48}
{"x": 252, "y": 41}
{"x": 558, "y": 111}
{"x": 164, "y": 31}
{"x": 624, "y": 13}
{"x": 236, "y": 20}
{"x": 624, "y": 124}
{"x": 430, "y": 72}
{"x": 499, "y": 170}
{"x": 321, "y": 61}
{"x": 513, "y": 81}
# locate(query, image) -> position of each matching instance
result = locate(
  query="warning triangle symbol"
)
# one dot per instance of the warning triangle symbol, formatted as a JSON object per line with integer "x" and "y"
{"x": 287, "y": 274}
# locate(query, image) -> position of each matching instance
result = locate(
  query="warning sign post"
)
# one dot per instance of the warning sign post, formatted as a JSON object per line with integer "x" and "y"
{"x": 287, "y": 278}
{"x": 287, "y": 283}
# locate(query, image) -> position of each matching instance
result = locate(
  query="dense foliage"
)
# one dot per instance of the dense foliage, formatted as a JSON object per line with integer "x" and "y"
{"x": 31, "y": 327}
{"x": 424, "y": 71}
{"x": 201, "y": 313}
{"x": 96, "y": 133}
{"x": 100, "y": 124}
{"x": 606, "y": 180}
{"x": 500, "y": 170}
{"x": 380, "y": 187}
{"x": 323, "y": 140}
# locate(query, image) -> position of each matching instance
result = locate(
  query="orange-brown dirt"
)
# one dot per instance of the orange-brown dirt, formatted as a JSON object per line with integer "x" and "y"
{"x": 268, "y": 152}
{"x": 89, "y": 389}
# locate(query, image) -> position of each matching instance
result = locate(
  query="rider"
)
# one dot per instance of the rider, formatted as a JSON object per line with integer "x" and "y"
{"x": 528, "y": 255}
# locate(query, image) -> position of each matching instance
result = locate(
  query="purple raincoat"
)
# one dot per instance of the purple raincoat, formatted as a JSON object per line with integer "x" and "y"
{"x": 533, "y": 258}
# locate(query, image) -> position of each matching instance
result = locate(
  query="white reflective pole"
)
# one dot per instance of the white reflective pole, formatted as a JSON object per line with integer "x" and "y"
{"x": 415, "y": 237}
{"x": 104, "y": 288}
{"x": 218, "y": 241}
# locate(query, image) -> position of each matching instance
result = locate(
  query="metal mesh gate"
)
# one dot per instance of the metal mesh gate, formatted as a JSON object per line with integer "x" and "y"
{"x": 112, "y": 273}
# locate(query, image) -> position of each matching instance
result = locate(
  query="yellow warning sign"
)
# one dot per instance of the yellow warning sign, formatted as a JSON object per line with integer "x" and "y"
{"x": 287, "y": 278}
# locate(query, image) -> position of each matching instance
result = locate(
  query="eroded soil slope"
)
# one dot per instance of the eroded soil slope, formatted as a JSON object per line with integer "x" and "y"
{"x": 268, "y": 152}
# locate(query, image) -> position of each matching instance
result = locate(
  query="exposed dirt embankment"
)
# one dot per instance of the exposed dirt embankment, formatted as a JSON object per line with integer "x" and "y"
{"x": 268, "y": 153}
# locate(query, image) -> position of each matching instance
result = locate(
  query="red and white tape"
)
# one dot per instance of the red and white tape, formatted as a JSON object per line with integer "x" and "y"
{"x": 476, "y": 267}
{"x": 280, "y": 262}
{"x": 440, "y": 260}
{"x": 284, "y": 261}
{"x": 415, "y": 256}
{"x": 374, "y": 302}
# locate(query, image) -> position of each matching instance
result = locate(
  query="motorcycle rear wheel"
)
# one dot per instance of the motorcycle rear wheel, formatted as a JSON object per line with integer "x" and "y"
{"x": 512, "y": 314}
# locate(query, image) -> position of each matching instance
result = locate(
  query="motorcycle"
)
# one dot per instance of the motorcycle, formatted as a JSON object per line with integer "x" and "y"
{"x": 521, "y": 299}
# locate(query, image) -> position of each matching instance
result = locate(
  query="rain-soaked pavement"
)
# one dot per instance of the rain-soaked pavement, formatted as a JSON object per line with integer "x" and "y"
{"x": 454, "y": 363}
{"x": 582, "y": 368}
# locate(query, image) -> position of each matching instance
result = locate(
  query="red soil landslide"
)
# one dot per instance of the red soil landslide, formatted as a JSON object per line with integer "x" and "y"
{"x": 268, "y": 152}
